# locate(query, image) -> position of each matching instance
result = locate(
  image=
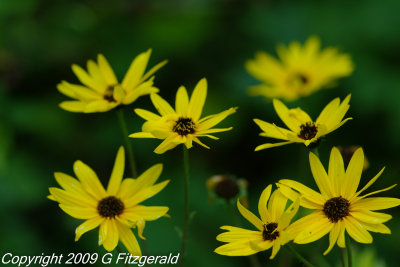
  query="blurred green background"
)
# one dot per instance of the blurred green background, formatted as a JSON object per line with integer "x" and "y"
{"x": 40, "y": 39}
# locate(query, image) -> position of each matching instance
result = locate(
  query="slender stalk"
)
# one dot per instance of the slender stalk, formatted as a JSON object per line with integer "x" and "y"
{"x": 349, "y": 256}
{"x": 119, "y": 250}
{"x": 298, "y": 256}
{"x": 186, "y": 227}
{"x": 124, "y": 130}
{"x": 131, "y": 158}
{"x": 231, "y": 208}
{"x": 342, "y": 257}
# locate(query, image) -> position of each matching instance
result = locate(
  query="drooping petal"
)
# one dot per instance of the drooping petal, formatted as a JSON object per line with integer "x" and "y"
{"x": 262, "y": 204}
{"x": 129, "y": 240}
{"x": 117, "y": 172}
{"x": 169, "y": 143}
{"x": 197, "y": 100}
{"x": 356, "y": 230}
{"x": 334, "y": 235}
{"x": 87, "y": 226}
{"x": 112, "y": 235}
{"x": 253, "y": 219}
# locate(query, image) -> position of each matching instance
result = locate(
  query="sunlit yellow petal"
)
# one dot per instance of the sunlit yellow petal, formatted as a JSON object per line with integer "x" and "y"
{"x": 161, "y": 105}
{"x": 106, "y": 70}
{"x": 87, "y": 226}
{"x": 117, "y": 172}
{"x": 89, "y": 180}
{"x": 353, "y": 173}
{"x": 112, "y": 235}
{"x": 356, "y": 230}
{"x": 334, "y": 235}
{"x": 320, "y": 176}
{"x": 336, "y": 171}
{"x": 314, "y": 231}
{"x": 182, "y": 101}
{"x": 253, "y": 219}
{"x": 284, "y": 114}
{"x": 262, "y": 204}
{"x": 270, "y": 145}
{"x": 79, "y": 212}
{"x": 129, "y": 240}
{"x": 276, "y": 205}
{"x": 136, "y": 70}
{"x": 368, "y": 216}
{"x": 197, "y": 100}
{"x": 375, "y": 203}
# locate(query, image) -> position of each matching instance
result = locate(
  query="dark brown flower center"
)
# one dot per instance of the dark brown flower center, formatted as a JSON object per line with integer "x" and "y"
{"x": 109, "y": 94}
{"x": 270, "y": 232}
{"x": 110, "y": 207}
{"x": 308, "y": 131}
{"x": 336, "y": 209}
{"x": 184, "y": 126}
{"x": 227, "y": 188}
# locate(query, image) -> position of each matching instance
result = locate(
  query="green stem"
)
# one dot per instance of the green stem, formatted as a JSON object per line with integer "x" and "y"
{"x": 349, "y": 257}
{"x": 298, "y": 256}
{"x": 131, "y": 158}
{"x": 186, "y": 227}
{"x": 342, "y": 257}
{"x": 252, "y": 258}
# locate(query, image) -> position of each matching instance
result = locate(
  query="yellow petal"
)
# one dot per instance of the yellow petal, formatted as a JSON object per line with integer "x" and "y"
{"x": 236, "y": 249}
{"x": 215, "y": 130}
{"x": 182, "y": 102}
{"x": 168, "y": 144}
{"x": 369, "y": 183}
{"x": 145, "y": 88}
{"x": 79, "y": 212}
{"x": 314, "y": 231}
{"x": 377, "y": 228}
{"x": 141, "y": 224}
{"x": 73, "y": 106}
{"x": 275, "y": 248}
{"x": 99, "y": 106}
{"x": 147, "y": 115}
{"x": 112, "y": 238}
{"x": 118, "y": 93}
{"x": 368, "y": 216}
{"x": 320, "y": 176}
{"x": 336, "y": 171}
{"x": 141, "y": 135}
{"x": 106, "y": 70}
{"x": 250, "y": 217}
{"x": 71, "y": 199}
{"x": 140, "y": 212}
{"x": 161, "y": 105}
{"x": 376, "y": 192}
{"x": 153, "y": 70}
{"x": 87, "y": 226}
{"x": 270, "y": 145}
{"x": 145, "y": 194}
{"x": 89, "y": 180}
{"x": 129, "y": 240}
{"x": 337, "y": 117}
{"x": 117, "y": 172}
{"x": 298, "y": 226}
{"x": 271, "y": 130}
{"x": 197, "y": 100}
{"x": 262, "y": 204}
{"x": 70, "y": 184}
{"x": 200, "y": 143}
{"x": 375, "y": 203}
{"x": 334, "y": 235}
{"x": 356, "y": 230}
{"x": 97, "y": 77}
{"x": 213, "y": 120}
{"x": 353, "y": 174}
{"x": 85, "y": 78}
{"x": 136, "y": 70}
{"x": 304, "y": 190}
{"x": 276, "y": 205}
{"x": 328, "y": 111}
{"x": 287, "y": 216}
{"x": 284, "y": 114}
{"x": 236, "y": 234}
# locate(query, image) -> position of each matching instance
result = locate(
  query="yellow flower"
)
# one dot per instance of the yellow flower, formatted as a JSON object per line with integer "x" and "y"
{"x": 300, "y": 71}
{"x": 301, "y": 128}
{"x": 271, "y": 228}
{"x": 338, "y": 207}
{"x": 116, "y": 209}
{"x": 182, "y": 125}
{"x": 101, "y": 90}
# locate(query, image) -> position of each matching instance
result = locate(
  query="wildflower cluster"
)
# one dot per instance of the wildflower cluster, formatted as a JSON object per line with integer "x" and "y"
{"x": 338, "y": 208}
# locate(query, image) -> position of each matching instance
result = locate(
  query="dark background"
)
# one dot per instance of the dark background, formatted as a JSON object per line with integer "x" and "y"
{"x": 40, "y": 39}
